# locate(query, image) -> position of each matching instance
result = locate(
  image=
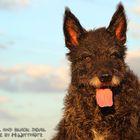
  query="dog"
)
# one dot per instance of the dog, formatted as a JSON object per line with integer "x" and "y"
{"x": 103, "y": 100}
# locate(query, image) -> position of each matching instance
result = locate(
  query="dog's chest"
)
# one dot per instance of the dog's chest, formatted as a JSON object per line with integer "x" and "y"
{"x": 98, "y": 136}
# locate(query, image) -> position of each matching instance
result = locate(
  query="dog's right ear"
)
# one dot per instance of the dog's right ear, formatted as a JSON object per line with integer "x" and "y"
{"x": 72, "y": 29}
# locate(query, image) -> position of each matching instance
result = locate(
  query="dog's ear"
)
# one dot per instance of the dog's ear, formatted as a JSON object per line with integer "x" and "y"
{"x": 72, "y": 29}
{"x": 118, "y": 24}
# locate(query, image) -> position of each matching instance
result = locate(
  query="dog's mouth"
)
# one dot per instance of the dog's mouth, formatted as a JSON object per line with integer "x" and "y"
{"x": 104, "y": 97}
{"x": 104, "y": 91}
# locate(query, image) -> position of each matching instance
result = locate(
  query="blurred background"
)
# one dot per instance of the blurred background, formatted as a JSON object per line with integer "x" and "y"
{"x": 34, "y": 72}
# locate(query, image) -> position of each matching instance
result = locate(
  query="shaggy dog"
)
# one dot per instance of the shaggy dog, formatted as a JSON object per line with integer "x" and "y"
{"x": 103, "y": 100}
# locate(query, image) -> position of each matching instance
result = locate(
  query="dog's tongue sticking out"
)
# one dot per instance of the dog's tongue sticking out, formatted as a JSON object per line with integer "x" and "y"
{"x": 104, "y": 97}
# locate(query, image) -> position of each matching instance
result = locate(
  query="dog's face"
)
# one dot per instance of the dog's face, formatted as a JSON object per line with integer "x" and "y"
{"x": 97, "y": 56}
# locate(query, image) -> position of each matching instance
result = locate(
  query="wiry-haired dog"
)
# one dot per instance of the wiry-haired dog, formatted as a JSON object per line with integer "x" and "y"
{"x": 103, "y": 100}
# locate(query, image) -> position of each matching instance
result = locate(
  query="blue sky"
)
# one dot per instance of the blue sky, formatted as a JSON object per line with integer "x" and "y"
{"x": 32, "y": 32}
{"x": 32, "y": 49}
{"x": 34, "y": 73}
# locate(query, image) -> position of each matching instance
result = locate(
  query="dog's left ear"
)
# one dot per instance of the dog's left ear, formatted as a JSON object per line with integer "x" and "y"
{"x": 118, "y": 25}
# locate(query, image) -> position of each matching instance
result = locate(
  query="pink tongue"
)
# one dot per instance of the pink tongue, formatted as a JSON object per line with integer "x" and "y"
{"x": 104, "y": 97}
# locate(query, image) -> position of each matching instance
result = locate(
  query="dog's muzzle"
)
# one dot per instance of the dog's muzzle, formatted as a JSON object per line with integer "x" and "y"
{"x": 102, "y": 84}
{"x": 105, "y": 80}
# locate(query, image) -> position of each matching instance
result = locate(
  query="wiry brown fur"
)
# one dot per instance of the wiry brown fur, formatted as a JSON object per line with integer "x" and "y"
{"x": 93, "y": 53}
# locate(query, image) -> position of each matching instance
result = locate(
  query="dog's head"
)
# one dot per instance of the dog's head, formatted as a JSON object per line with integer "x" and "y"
{"x": 97, "y": 56}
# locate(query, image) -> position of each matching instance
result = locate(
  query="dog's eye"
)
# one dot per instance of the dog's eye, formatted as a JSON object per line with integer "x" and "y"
{"x": 115, "y": 55}
{"x": 87, "y": 58}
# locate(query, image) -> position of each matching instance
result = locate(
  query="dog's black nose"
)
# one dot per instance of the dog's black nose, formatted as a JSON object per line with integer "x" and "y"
{"x": 105, "y": 77}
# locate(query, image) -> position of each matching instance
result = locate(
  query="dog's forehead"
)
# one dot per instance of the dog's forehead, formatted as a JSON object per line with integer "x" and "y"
{"x": 97, "y": 40}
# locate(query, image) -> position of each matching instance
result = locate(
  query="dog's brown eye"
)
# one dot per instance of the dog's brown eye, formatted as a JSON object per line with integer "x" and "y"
{"x": 87, "y": 58}
{"x": 115, "y": 55}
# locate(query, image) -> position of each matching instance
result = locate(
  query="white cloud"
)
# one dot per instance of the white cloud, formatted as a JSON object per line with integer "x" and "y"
{"x": 36, "y": 78}
{"x": 136, "y": 9}
{"x": 4, "y": 99}
{"x": 134, "y": 28}
{"x": 9, "y": 4}
{"x": 133, "y": 24}
{"x": 5, "y": 115}
{"x": 133, "y": 59}
{"x": 135, "y": 54}
{"x": 2, "y": 46}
